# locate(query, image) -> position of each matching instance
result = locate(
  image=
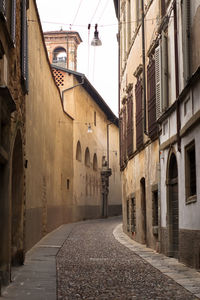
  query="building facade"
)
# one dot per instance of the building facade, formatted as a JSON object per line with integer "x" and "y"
{"x": 95, "y": 142}
{"x": 159, "y": 117}
{"x": 49, "y": 155}
{"x": 62, "y": 48}
{"x": 139, "y": 143}
{"x": 179, "y": 119}
{"x": 13, "y": 88}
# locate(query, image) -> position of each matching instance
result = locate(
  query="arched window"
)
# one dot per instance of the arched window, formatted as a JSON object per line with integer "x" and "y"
{"x": 59, "y": 55}
{"x": 95, "y": 165}
{"x": 78, "y": 151}
{"x": 87, "y": 157}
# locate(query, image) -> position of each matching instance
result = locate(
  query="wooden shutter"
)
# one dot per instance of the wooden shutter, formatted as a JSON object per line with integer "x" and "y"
{"x": 130, "y": 126}
{"x": 122, "y": 128}
{"x": 13, "y": 21}
{"x": 158, "y": 81}
{"x": 3, "y": 8}
{"x": 124, "y": 134}
{"x": 121, "y": 138}
{"x": 151, "y": 94}
{"x": 139, "y": 114}
{"x": 186, "y": 23}
{"x": 164, "y": 74}
{"x": 24, "y": 46}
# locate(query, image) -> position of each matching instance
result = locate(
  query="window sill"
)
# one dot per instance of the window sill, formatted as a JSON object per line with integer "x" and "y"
{"x": 191, "y": 199}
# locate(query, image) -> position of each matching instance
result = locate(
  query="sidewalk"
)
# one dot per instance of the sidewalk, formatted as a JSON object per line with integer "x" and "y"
{"x": 187, "y": 277}
{"x": 36, "y": 280}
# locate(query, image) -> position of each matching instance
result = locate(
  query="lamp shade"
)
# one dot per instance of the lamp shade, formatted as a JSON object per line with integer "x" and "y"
{"x": 89, "y": 129}
{"x": 96, "y": 41}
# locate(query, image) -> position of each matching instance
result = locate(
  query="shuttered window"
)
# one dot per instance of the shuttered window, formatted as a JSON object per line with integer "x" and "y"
{"x": 120, "y": 138}
{"x": 158, "y": 81}
{"x": 186, "y": 23}
{"x": 124, "y": 134}
{"x": 139, "y": 114}
{"x": 161, "y": 76}
{"x": 24, "y": 46}
{"x": 13, "y": 21}
{"x": 151, "y": 96}
{"x": 130, "y": 126}
{"x": 3, "y": 8}
{"x": 123, "y": 137}
{"x": 8, "y": 13}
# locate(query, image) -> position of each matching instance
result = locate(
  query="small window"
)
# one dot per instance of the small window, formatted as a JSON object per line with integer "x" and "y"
{"x": 87, "y": 157}
{"x": 95, "y": 165}
{"x": 155, "y": 208}
{"x": 186, "y": 106}
{"x": 67, "y": 184}
{"x": 95, "y": 118}
{"x": 190, "y": 172}
{"x": 78, "y": 151}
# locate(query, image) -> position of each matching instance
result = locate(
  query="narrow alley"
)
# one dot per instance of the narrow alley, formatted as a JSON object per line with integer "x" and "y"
{"x": 93, "y": 263}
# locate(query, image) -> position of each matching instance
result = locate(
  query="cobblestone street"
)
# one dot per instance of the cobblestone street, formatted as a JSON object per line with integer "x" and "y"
{"x": 92, "y": 264}
{"x": 96, "y": 260}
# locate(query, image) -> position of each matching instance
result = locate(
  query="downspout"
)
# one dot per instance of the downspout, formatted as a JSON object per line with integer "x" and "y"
{"x": 119, "y": 78}
{"x": 144, "y": 67}
{"x": 62, "y": 93}
{"x": 177, "y": 78}
{"x": 119, "y": 85}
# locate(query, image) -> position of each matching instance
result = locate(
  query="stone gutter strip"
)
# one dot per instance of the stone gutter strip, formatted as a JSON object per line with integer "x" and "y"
{"x": 187, "y": 277}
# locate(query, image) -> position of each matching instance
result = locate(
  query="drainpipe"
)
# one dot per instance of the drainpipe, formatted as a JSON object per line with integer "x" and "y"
{"x": 82, "y": 82}
{"x": 119, "y": 56}
{"x": 144, "y": 67}
{"x": 177, "y": 78}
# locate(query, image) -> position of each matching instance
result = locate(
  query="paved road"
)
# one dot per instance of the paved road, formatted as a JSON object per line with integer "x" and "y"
{"x": 92, "y": 264}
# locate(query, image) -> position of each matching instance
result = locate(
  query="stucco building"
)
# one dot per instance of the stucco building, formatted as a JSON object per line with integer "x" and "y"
{"x": 179, "y": 119}
{"x": 159, "y": 117}
{"x": 139, "y": 143}
{"x": 50, "y": 167}
{"x": 13, "y": 87}
{"x": 95, "y": 141}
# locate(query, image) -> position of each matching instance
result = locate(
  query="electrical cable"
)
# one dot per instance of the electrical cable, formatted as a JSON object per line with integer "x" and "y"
{"x": 103, "y": 25}
{"x": 76, "y": 13}
{"x": 104, "y": 8}
{"x": 95, "y": 11}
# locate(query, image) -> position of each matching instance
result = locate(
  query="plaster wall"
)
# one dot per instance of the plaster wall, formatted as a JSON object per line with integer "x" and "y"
{"x": 143, "y": 165}
{"x": 48, "y": 144}
{"x": 87, "y": 195}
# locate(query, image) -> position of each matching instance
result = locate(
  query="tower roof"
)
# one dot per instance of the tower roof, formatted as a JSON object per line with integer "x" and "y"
{"x": 63, "y": 33}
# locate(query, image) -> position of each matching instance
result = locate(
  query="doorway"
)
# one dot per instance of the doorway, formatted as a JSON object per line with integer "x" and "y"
{"x": 143, "y": 210}
{"x": 173, "y": 207}
{"x": 17, "y": 230}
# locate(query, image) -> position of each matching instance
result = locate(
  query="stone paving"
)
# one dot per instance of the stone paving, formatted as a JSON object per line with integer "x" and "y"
{"x": 92, "y": 264}
{"x": 96, "y": 260}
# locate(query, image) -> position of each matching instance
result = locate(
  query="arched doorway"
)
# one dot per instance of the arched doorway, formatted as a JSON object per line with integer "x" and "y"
{"x": 143, "y": 209}
{"x": 17, "y": 230}
{"x": 173, "y": 207}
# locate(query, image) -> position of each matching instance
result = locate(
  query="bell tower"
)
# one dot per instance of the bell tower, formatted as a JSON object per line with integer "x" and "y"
{"x": 62, "y": 48}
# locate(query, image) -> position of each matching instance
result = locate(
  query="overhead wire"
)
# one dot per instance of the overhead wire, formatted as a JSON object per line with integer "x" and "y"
{"x": 104, "y": 9}
{"x": 76, "y": 13}
{"x": 103, "y": 25}
{"x": 95, "y": 11}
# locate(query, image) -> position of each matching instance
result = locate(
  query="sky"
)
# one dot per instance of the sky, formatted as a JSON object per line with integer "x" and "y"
{"x": 99, "y": 64}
